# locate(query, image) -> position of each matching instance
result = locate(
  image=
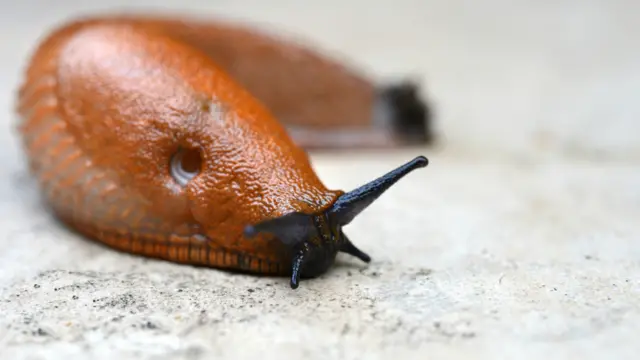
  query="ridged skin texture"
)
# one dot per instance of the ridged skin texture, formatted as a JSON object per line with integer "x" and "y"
{"x": 104, "y": 106}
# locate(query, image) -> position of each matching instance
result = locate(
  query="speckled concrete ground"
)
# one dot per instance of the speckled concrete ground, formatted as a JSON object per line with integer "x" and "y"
{"x": 521, "y": 244}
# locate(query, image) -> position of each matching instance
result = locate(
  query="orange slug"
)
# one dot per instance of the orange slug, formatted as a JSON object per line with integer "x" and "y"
{"x": 142, "y": 141}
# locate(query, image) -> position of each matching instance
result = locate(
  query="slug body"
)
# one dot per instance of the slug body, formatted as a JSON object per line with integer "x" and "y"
{"x": 141, "y": 141}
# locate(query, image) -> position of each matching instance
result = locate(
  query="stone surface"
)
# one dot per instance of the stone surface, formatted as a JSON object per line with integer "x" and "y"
{"x": 520, "y": 240}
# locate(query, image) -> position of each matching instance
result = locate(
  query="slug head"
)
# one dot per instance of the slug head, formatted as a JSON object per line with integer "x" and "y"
{"x": 315, "y": 239}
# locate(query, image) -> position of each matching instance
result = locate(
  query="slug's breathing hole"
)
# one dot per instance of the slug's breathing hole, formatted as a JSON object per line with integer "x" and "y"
{"x": 185, "y": 165}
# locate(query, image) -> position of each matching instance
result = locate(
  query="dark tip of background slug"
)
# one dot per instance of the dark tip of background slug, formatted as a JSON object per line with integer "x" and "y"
{"x": 412, "y": 116}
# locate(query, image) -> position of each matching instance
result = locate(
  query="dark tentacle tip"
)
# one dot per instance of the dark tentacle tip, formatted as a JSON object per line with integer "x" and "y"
{"x": 364, "y": 257}
{"x": 421, "y": 161}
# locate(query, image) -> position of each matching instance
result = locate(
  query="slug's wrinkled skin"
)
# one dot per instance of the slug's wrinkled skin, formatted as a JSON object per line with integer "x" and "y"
{"x": 106, "y": 106}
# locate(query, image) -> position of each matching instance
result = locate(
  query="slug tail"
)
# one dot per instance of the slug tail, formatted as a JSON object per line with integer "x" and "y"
{"x": 399, "y": 108}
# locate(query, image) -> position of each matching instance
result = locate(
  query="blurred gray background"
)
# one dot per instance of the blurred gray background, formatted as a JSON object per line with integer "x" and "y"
{"x": 520, "y": 240}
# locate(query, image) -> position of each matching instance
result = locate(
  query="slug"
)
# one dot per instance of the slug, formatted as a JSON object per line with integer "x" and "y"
{"x": 324, "y": 104}
{"x": 142, "y": 141}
